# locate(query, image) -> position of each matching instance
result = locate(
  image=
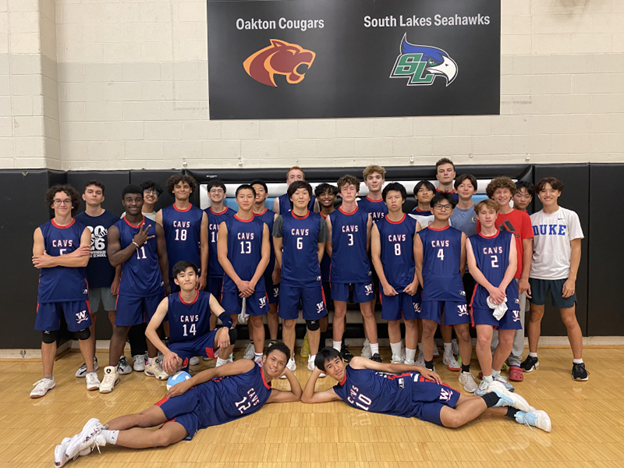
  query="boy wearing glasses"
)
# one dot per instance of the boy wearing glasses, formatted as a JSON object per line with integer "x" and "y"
{"x": 61, "y": 250}
{"x": 440, "y": 254}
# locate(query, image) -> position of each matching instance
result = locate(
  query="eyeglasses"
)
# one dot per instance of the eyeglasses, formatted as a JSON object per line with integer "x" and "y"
{"x": 443, "y": 207}
{"x": 150, "y": 192}
{"x": 216, "y": 191}
{"x": 62, "y": 202}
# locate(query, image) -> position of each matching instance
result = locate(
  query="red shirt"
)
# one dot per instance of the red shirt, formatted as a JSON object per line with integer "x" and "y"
{"x": 519, "y": 224}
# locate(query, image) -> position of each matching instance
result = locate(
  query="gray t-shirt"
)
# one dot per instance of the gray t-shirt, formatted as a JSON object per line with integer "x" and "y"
{"x": 323, "y": 233}
{"x": 464, "y": 220}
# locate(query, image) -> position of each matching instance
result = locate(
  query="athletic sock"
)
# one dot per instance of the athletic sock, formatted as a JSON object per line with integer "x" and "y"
{"x": 110, "y": 436}
{"x": 258, "y": 355}
{"x": 410, "y": 354}
{"x": 251, "y": 341}
{"x": 488, "y": 378}
{"x": 221, "y": 362}
{"x": 312, "y": 358}
{"x": 338, "y": 345}
{"x": 448, "y": 348}
{"x": 511, "y": 412}
{"x": 465, "y": 367}
{"x": 49, "y": 378}
{"x": 491, "y": 399}
{"x": 396, "y": 348}
{"x": 577, "y": 361}
{"x": 533, "y": 355}
{"x": 495, "y": 373}
{"x": 375, "y": 348}
{"x": 429, "y": 365}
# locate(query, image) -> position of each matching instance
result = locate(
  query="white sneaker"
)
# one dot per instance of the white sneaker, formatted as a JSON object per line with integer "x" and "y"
{"x": 139, "y": 362}
{"x": 396, "y": 359}
{"x": 82, "y": 370}
{"x": 59, "y": 452}
{"x": 250, "y": 352}
{"x": 111, "y": 378}
{"x": 366, "y": 350}
{"x": 468, "y": 381}
{"x": 123, "y": 368}
{"x": 536, "y": 418}
{"x": 436, "y": 351}
{"x": 194, "y": 361}
{"x": 154, "y": 369}
{"x": 292, "y": 367}
{"x": 311, "y": 367}
{"x": 42, "y": 387}
{"x": 93, "y": 383}
{"x": 501, "y": 379}
{"x": 509, "y": 399}
{"x": 449, "y": 361}
{"x": 420, "y": 362}
{"x": 482, "y": 390}
{"x": 409, "y": 362}
{"x": 89, "y": 438}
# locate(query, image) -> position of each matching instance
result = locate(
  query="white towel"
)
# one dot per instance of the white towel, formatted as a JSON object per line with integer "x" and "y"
{"x": 499, "y": 309}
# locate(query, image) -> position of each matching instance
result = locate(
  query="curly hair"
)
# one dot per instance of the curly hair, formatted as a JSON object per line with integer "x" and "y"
{"x": 68, "y": 190}
{"x": 500, "y": 182}
{"x": 176, "y": 179}
{"x": 348, "y": 180}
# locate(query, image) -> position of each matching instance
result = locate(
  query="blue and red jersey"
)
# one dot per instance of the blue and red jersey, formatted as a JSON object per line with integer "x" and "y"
{"x": 376, "y": 208}
{"x": 397, "y": 250}
{"x": 268, "y": 218}
{"x": 441, "y": 260}
{"x": 215, "y": 270}
{"x": 300, "y": 265}
{"x": 182, "y": 234}
{"x": 244, "y": 250}
{"x": 349, "y": 261}
{"x": 59, "y": 283}
{"x": 188, "y": 320}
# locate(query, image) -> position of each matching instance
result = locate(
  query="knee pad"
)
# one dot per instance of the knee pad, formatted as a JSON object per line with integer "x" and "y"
{"x": 233, "y": 335}
{"x": 49, "y": 337}
{"x": 313, "y": 325}
{"x": 83, "y": 334}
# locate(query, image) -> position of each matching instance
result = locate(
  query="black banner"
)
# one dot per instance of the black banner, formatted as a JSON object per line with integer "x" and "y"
{"x": 296, "y": 59}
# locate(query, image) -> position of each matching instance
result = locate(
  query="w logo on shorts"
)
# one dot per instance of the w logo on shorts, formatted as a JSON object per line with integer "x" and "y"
{"x": 320, "y": 307}
{"x": 262, "y": 302}
{"x": 275, "y": 292}
{"x": 416, "y": 307}
{"x": 516, "y": 315}
{"x": 445, "y": 395}
{"x": 368, "y": 288}
{"x": 82, "y": 316}
{"x": 462, "y": 309}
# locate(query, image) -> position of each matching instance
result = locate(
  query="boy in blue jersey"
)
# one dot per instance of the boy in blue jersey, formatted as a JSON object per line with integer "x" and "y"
{"x": 186, "y": 228}
{"x": 103, "y": 278}
{"x": 244, "y": 252}
{"x": 348, "y": 245}
{"x": 326, "y": 195}
{"x": 440, "y": 252}
{"x": 282, "y": 203}
{"x": 373, "y": 203}
{"x": 188, "y": 312}
{"x": 299, "y": 237}
{"x": 212, "y": 397}
{"x": 61, "y": 250}
{"x": 271, "y": 275}
{"x": 138, "y": 245}
{"x": 217, "y": 213}
{"x": 392, "y": 247}
{"x": 492, "y": 261}
{"x": 411, "y": 391}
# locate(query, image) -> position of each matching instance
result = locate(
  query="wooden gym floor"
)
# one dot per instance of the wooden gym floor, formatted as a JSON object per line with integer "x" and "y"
{"x": 587, "y": 418}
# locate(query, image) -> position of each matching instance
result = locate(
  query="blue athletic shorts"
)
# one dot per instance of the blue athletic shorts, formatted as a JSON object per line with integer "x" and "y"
{"x": 455, "y": 312}
{"x": 214, "y": 287}
{"x": 256, "y": 304}
{"x": 272, "y": 290}
{"x": 77, "y": 315}
{"x": 200, "y": 346}
{"x": 509, "y": 321}
{"x": 428, "y": 399}
{"x": 540, "y": 288}
{"x": 183, "y": 409}
{"x": 136, "y": 310}
{"x": 401, "y": 306}
{"x": 362, "y": 292}
{"x": 312, "y": 299}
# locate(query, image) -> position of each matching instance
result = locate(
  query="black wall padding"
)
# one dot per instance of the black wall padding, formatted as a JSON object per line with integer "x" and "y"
{"x": 23, "y": 208}
{"x": 114, "y": 182}
{"x": 575, "y": 197}
{"x": 606, "y": 253}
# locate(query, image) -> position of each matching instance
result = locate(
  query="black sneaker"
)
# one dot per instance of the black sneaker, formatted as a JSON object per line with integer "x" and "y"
{"x": 579, "y": 372}
{"x": 376, "y": 357}
{"x": 346, "y": 354}
{"x": 529, "y": 364}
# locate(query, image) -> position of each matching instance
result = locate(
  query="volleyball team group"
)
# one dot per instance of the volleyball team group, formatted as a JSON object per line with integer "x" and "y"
{"x": 177, "y": 281}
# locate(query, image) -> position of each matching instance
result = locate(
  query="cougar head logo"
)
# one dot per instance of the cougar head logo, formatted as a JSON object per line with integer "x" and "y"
{"x": 280, "y": 58}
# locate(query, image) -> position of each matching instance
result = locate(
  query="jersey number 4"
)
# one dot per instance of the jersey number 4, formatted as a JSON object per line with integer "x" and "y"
{"x": 440, "y": 254}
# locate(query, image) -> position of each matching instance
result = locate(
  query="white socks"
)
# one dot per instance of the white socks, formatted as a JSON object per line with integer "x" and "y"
{"x": 577, "y": 361}
{"x": 488, "y": 378}
{"x": 375, "y": 348}
{"x": 533, "y": 355}
{"x": 396, "y": 348}
{"x": 410, "y": 354}
{"x": 221, "y": 362}
{"x": 495, "y": 373}
{"x": 110, "y": 436}
{"x": 448, "y": 348}
{"x": 337, "y": 345}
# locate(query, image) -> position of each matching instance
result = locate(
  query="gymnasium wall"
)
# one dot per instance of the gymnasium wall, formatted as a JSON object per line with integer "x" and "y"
{"x": 116, "y": 85}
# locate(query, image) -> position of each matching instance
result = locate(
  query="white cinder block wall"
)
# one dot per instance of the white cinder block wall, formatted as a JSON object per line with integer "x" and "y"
{"x": 122, "y": 84}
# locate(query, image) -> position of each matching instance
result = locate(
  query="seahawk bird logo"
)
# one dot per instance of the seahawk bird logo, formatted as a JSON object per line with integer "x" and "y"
{"x": 421, "y": 64}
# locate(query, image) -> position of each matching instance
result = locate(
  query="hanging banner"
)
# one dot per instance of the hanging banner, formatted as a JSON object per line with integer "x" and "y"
{"x": 353, "y": 58}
